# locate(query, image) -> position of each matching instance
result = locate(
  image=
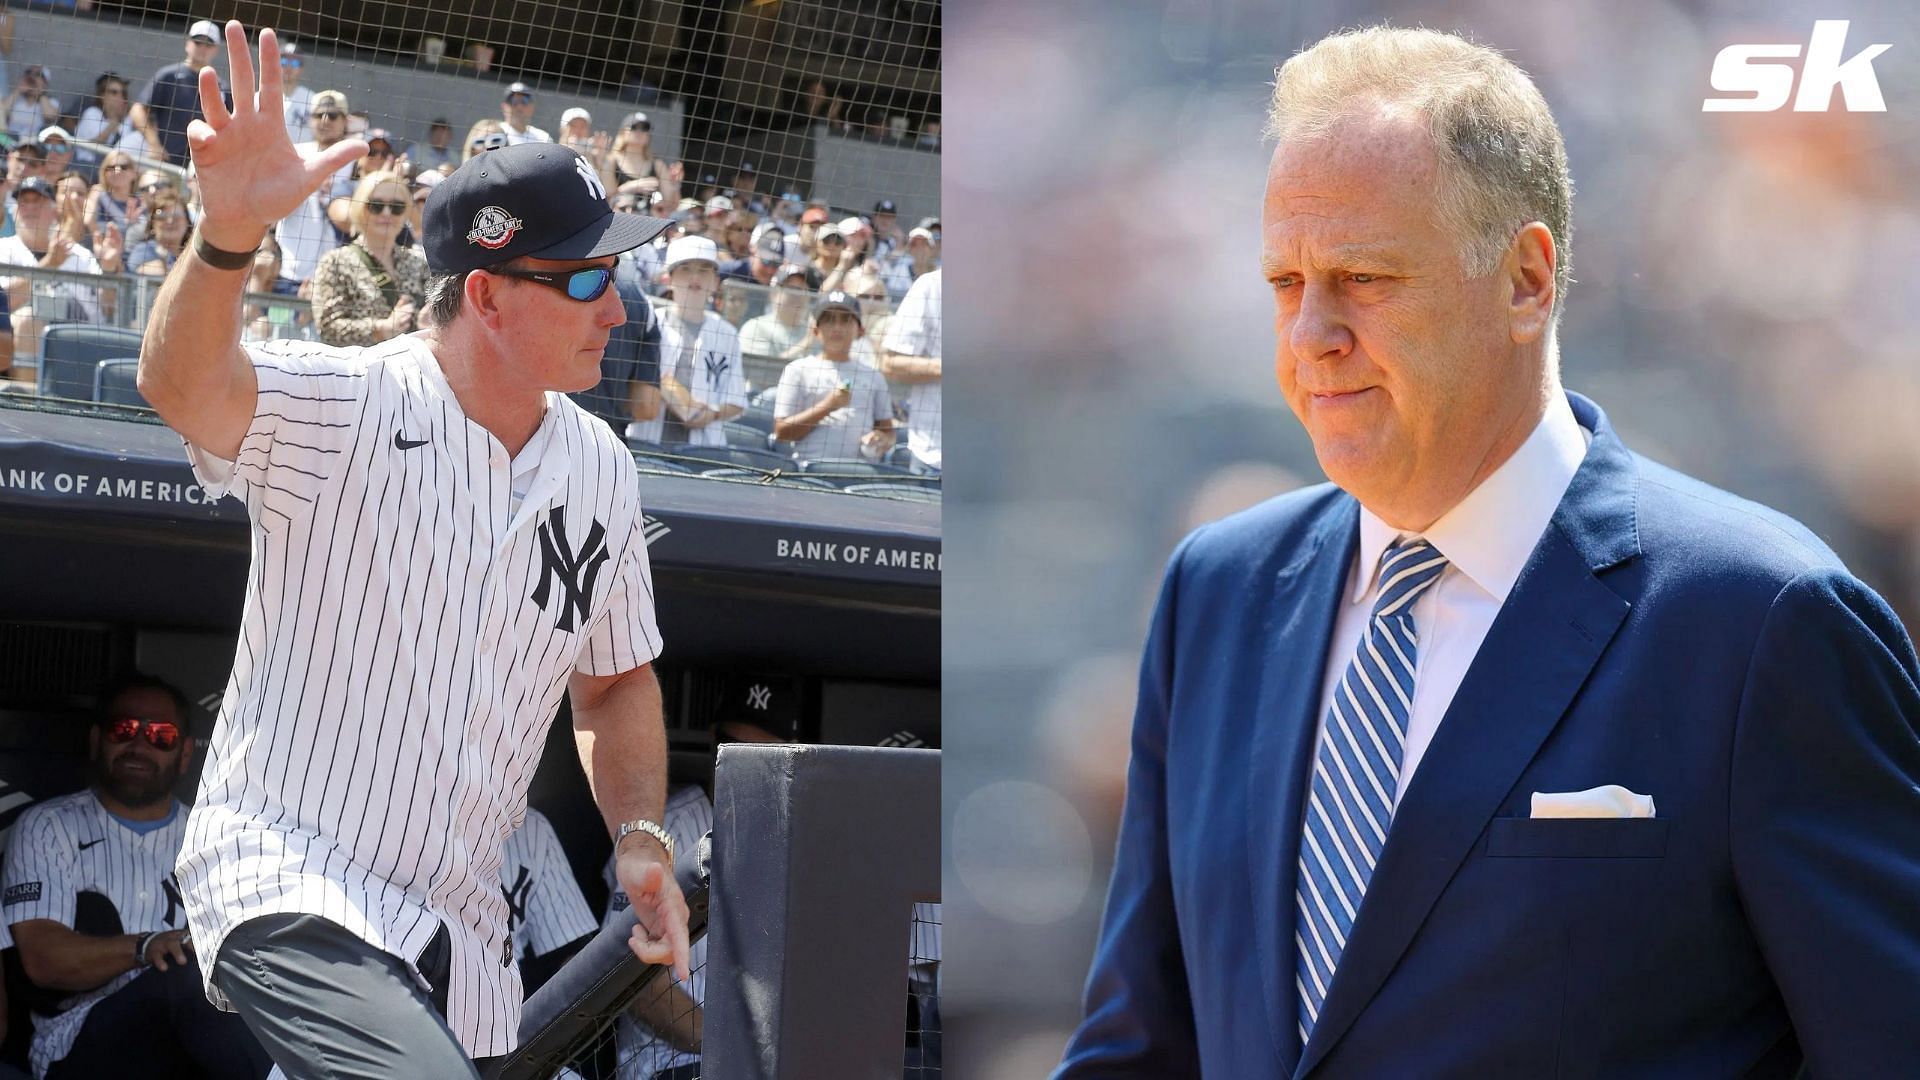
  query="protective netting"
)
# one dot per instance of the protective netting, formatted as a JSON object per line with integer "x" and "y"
{"x": 795, "y": 144}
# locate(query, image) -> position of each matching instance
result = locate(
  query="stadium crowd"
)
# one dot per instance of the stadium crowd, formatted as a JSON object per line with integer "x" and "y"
{"x": 737, "y": 316}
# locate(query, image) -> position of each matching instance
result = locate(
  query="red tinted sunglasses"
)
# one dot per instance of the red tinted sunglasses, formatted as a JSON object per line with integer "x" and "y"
{"x": 161, "y": 734}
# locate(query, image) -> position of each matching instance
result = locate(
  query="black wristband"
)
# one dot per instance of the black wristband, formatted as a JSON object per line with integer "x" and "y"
{"x": 140, "y": 948}
{"x": 220, "y": 258}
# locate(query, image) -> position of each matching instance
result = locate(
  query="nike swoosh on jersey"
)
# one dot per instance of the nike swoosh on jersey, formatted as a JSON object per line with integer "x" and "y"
{"x": 400, "y": 442}
{"x": 89, "y": 843}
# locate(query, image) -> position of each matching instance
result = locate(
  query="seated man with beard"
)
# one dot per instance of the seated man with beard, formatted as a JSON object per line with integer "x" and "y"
{"x": 90, "y": 894}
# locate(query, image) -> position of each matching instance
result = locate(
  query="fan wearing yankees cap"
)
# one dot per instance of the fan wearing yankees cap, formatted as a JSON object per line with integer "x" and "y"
{"x": 831, "y": 405}
{"x": 443, "y": 545}
{"x": 96, "y": 912}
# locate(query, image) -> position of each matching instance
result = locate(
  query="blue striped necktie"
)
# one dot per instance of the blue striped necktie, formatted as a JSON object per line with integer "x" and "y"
{"x": 1356, "y": 772}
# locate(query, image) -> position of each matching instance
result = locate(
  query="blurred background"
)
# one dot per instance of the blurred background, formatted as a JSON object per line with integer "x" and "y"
{"x": 1744, "y": 308}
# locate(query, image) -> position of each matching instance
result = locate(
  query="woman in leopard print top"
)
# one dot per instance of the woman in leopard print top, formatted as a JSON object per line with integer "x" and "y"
{"x": 369, "y": 290}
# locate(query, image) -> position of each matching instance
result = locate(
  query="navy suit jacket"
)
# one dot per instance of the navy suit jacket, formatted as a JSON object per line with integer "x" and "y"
{"x": 1665, "y": 636}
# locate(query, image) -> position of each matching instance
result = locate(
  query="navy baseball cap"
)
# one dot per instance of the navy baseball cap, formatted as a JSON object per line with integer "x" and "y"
{"x": 535, "y": 199}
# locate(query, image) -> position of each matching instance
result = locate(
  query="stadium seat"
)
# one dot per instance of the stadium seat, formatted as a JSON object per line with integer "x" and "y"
{"x": 759, "y": 415}
{"x": 70, "y": 351}
{"x": 749, "y": 434}
{"x": 741, "y": 456}
{"x": 114, "y": 382}
{"x": 844, "y": 471}
{"x": 906, "y": 492}
{"x": 653, "y": 462}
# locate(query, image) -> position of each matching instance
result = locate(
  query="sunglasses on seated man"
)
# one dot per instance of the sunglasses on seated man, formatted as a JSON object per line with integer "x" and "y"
{"x": 585, "y": 285}
{"x": 161, "y": 734}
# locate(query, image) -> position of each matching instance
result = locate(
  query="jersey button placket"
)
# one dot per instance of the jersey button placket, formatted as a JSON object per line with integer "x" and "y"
{"x": 499, "y": 478}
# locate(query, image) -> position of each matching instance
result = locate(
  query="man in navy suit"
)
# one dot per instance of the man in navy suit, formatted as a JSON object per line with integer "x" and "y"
{"x": 1510, "y": 753}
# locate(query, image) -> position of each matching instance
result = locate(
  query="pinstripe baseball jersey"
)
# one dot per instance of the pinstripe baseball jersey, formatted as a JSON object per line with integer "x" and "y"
{"x": 408, "y": 630}
{"x": 70, "y": 845}
{"x": 640, "y": 1052}
{"x": 544, "y": 907}
{"x": 13, "y": 803}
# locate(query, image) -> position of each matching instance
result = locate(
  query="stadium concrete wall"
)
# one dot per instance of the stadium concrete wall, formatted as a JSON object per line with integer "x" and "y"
{"x": 848, "y": 172}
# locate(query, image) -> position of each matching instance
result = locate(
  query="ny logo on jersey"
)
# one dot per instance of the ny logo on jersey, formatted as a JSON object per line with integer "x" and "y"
{"x": 576, "y": 570}
{"x": 592, "y": 178}
{"x": 171, "y": 887}
{"x": 517, "y": 894}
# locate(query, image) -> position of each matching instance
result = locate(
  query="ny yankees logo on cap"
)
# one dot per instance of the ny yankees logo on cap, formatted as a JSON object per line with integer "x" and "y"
{"x": 535, "y": 200}
{"x": 493, "y": 228}
{"x": 594, "y": 187}
{"x": 576, "y": 570}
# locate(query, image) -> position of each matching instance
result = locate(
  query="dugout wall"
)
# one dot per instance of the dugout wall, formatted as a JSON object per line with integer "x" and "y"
{"x": 819, "y": 854}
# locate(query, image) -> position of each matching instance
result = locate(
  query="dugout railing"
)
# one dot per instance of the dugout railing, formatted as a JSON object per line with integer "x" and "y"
{"x": 819, "y": 857}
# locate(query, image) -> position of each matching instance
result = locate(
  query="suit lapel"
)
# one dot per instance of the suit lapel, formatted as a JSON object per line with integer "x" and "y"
{"x": 1549, "y": 634}
{"x": 1306, "y": 596}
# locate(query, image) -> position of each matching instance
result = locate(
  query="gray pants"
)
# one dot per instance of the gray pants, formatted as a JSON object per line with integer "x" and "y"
{"x": 328, "y": 1006}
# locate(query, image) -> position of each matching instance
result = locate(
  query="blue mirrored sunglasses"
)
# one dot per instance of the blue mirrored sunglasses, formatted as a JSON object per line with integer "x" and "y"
{"x": 585, "y": 285}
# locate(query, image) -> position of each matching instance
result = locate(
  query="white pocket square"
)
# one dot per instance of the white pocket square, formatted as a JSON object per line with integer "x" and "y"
{"x": 1606, "y": 801}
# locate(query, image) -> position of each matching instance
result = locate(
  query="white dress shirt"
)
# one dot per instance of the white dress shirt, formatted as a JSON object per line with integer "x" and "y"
{"x": 1487, "y": 538}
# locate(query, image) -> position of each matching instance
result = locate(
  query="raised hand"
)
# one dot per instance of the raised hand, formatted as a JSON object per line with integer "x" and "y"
{"x": 107, "y": 244}
{"x": 400, "y": 320}
{"x": 250, "y": 174}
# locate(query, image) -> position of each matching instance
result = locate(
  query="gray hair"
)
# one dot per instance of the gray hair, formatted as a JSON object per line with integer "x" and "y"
{"x": 445, "y": 292}
{"x": 1502, "y": 161}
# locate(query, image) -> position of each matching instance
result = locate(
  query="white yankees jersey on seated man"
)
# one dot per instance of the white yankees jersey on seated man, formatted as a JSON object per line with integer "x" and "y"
{"x": 408, "y": 630}
{"x": 639, "y": 1052}
{"x": 705, "y": 359}
{"x": 70, "y": 845}
{"x": 544, "y": 907}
